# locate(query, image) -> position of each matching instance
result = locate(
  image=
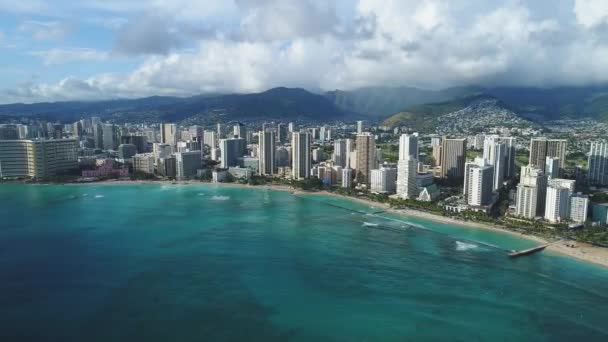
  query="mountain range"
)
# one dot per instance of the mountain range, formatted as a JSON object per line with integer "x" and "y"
{"x": 374, "y": 103}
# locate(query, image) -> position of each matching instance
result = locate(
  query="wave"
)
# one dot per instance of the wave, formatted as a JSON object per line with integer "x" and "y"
{"x": 463, "y": 246}
{"x": 369, "y": 224}
{"x": 220, "y": 198}
{"x": 201, "y": 194}
{"x": 98, "y": 196}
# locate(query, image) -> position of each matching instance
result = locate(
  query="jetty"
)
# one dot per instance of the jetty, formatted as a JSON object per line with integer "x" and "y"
{"x": 523, "y": 252}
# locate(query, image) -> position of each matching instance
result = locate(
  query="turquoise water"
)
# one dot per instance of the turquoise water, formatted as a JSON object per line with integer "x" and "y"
{"x": 202, "y": 263}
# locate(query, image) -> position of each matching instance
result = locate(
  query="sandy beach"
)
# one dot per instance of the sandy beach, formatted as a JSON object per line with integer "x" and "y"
{"x": 578, "y": 250}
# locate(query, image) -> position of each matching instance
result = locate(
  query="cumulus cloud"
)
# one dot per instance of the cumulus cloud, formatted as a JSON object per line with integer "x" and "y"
{"x": 253, "y": 45}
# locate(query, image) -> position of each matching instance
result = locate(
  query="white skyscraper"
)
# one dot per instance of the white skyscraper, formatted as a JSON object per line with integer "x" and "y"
{"x": 495, "y": 152}
{"x": 347, "y": 178}
{"x": 579, "y": 205}
{"x": 557, "y": 205}
{"x": 383, "y": 180}
{"x": 598, "y": 164}
{"x": 408, "y": 146}
{"x": 478, "y": 182}
{"x": 322, "y": 133}
{"x": 552, "y": 167}
{"x": 531, "y": 192}
{"x": 300, "y": 155}
{"x": 407, "y": 166}
{"x": 266, "y": 153}
{"x": 210, "y": 139}
{"x": 340, "y": 153}
{"x": 359, "y": 127}
{"x": 168, "y": 133}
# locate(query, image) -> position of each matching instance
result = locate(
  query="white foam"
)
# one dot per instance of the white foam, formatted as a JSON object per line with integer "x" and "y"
{"x": 463, "y": 246}
{"x": 201, "y": 194}
{"x": 220, "y": 198}
{"x": 98, "y": 196}
{"x": 369, "y": 224}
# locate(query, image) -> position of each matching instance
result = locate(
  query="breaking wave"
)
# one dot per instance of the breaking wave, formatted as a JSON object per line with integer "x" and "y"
{"x": 98, "y": 196}
{"x": 463, "y": 246}
{"x": 220, "y": 198}
{"x": 369, "y": 224}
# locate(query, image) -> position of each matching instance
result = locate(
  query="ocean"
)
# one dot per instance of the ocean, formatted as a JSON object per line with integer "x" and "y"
{"x": 208, "y": 263}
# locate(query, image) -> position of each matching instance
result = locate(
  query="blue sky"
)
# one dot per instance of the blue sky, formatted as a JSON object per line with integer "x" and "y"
{"x": 95, "y": 49}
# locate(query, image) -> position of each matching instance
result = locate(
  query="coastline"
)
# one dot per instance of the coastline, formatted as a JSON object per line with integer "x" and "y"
{"x": 582, "y": 251}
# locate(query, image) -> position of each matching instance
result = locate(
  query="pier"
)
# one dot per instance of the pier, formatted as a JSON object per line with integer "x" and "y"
{"x": 523, "y": 252}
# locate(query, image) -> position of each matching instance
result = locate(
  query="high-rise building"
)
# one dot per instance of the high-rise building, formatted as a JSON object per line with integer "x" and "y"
{"x": 161, "y": 150}
{"x": 340, "y": 153}
{"x": 347, "y": 178}
{"x": 231, "y": 149}
{"x": 282, "y": 133}
{"x": 383, "y": 180}
{"x": 599, "y": 213}
{"x": 556, "y": 148}
{"x": 598, "y": 164}
{"x": 186, "y": 164}
{"x": 220, "y": 130}
{"x": 453, "y": 154}
{"x": 292, "y": 127}
{"x": 37, "y": 158}
{"x": 366, "y": 157}
{"x": 495, "y": 152}
{"x": 98, "y": 135}
{"x": 77, "y": 129}
{"x": 300, "y": 155}
{"x": 531, "y": 192}
{"x": 322, "y": 132}
{"x": 110, "y": 137}
{"x": 406, "y": 178}
{"x": 552, "y": 167}
{"x": 140, "y": 142}
{"x": 210, "y": 139}
{"x": 126, "y": 151}
{"x": 168, "y": 133}
{"x": 408, "y": 147}
{"x": 240, "y": 131}
{"x": 510, "y": 169}
{"x": 167, "y": 167}
{"x": 359, "y": 127}
{"x": 579, "y": 206}
{"x": 266, "y": 153}
{"x": 557, "y": 204}
{"x": 541, "y": 148}
{"x": 437, "y": 149}
{"x": 144, "y": 162}
{"x": 407, "y": 167}
{"x": 196, "y": 131}
{"x": 478, "y": 182}
{"x": 9, "y": 132}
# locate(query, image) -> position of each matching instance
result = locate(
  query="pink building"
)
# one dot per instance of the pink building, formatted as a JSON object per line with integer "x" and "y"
{"x": 106, "y": 169}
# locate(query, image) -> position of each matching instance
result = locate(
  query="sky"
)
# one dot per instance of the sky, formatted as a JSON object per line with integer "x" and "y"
{"x": 58, "y": 50}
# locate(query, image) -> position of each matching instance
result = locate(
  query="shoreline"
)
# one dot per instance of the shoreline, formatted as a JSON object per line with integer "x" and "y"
{"x": 582, "y": 251}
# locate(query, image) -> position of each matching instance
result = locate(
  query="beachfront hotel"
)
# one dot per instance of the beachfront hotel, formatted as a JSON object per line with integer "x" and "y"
{"x": 37, "y": 158}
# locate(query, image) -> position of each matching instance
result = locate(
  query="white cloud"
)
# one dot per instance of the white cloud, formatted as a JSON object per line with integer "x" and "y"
{"x": 252, "y": 45}
{"x": 591, "y": 12}
{"x": 63, "y": 56}
{"x": 45, "y": 30}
